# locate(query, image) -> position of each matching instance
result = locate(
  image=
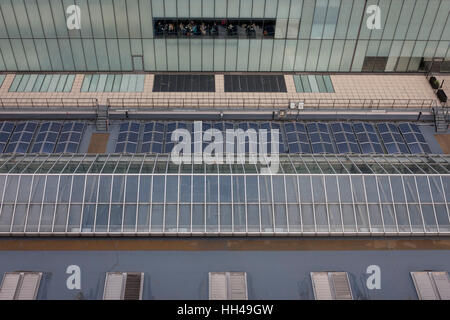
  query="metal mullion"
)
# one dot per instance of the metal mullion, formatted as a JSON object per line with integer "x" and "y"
{"x": 124, "y": 199}
{"x": 28, "y": 204}
{"x": 232, "y": 202}
{"x": 9, "y": 39}
{"x": 3, "y": 195}
{"x": 317, "y": 163}
{"x": 110, "y": 201}
{"x": 15, "y": 202}
{"x": 54, "y": 164}
{"x": 342, "y": 165}
{"x": 165, "y": 201}
{"x": 79, "y": 163}
{"x": 393, "y": 203}
{"x": 104, "y": 164}
{"x": 70, "y": 202}
{"x": 56, "y": 202}
{"x": 414, "y": 163}
{"x": 385, "y": 172}
{"x": 365, "y": 161}
{"x": 42, "y": 203}
{"x": 18, "y": 162}
{"x": 96, "y": 202}
{"x": 178, "y": 201}
{"x": 367, "y": 203}
{"x": 401, "y": 164}
{"x": 273, "y": 204}
{"x": 380, "y": 203}
{"x": 445, "y": 198}
{"x": 29, "y": 164}
{"x": 92, "y": 162}
{"x": 6, "y": 162}
{"x": 436, "y": 163}
{"x": 246, "y": 202}
{"x": 353, "y": 202}
{"x": 433, "y": 203}
{"x": 406, "y": 204}
{"x": 326, "y": 203}
{"x": 329, "y": 163}
{"x": 137, "y": 202}
{"x": 192, "y": 196}
{"x": 83, "y": 203}
{"x": 204, "y": 202}
{"x": 259, "y": 204}
{"x": 151, "y": 204}
{"x": 340, "y": 204}
{"x": 313, "y": 204}
{"x": 354, "y": 164}
{"x": 218, "y": 199}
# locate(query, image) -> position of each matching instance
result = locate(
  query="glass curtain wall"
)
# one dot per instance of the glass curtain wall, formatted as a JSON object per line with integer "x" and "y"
{"x": 265, "y": 35}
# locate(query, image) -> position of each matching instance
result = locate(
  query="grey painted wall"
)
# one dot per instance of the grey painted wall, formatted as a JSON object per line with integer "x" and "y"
{"x": 184, "y": 274}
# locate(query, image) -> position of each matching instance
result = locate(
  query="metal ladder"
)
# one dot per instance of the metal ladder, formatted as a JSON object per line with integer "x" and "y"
{"x": 441, "y": 118}
{"x": 102, "y": 118}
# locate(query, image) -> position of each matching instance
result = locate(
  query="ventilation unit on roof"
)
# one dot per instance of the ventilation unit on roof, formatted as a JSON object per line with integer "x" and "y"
{"x": 228, "y": 286}
{"x": 123, "y": 286}
{"x": 432, "y": 285}
{"x": 331, "y": 286}
{"x": 20, "y": 285}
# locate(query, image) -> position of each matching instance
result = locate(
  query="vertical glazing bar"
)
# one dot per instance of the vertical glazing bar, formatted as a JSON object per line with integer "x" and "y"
{"x": 313, "y": 203}
{"x": 94, "y": 227}
{"x": 434, "y": 207}
{"x": 56, "y": 203}
{"x": 70, "y": 203}
{"x": 379, "y": 203}
{"x": 353, "y": 203}
{"x": 110, "y": 196}
{"x": 406, "y": 203}
{"x": 42, "y": 203}
{"x": 326, "y": 203}
{"x": 15, "y": 202}
{"x": 446, "y": 198}
{"x": 393, "y": 204}
{"x": 366, "y": 202}
{"x": 29, "y": 203}
{"x": 83, "y": 203}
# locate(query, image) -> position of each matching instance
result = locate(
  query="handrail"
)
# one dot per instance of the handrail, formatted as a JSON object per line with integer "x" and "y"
{"x": 268, "y": 103}
{"x": 21, "y": 103}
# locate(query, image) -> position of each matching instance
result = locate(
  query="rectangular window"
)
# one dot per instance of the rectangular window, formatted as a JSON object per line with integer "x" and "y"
{"x": 228, "y": 286}
{"x": 215, "y": 28}
{"x": 20, "y": 285}
{"x": 123, "y": 286}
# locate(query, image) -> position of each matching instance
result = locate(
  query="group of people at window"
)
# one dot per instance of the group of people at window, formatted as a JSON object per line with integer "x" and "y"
{"x": 214, "y": 28}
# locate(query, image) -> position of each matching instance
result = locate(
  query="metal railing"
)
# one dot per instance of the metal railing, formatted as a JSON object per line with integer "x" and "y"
{"x": 269, "y": 103}
{"x": 23, "y": 103}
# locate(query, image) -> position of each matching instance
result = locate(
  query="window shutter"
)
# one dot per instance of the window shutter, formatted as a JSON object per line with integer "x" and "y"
{"x": 217, "y": 286}
{"x": 9, "y": 286}
{"x": 228, "y": 286}
{"x": 321, "y": 286}
{"x": 133, "y": 286}
{"x": 114, "y": 284}
{"x": 442, "y": 283}
{"x": 341, "y": 286}
{"x": 238, "y": 286}
{"x": 424, "y": 286}
{"x": 29, "y": 286}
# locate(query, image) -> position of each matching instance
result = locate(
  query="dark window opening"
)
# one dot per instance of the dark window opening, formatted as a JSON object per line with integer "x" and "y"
{"x": 254, "y": 83}
{"x": 184, "y": 83}
{"x": 214, "y": 28}
{"x": 374, "y": 64}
